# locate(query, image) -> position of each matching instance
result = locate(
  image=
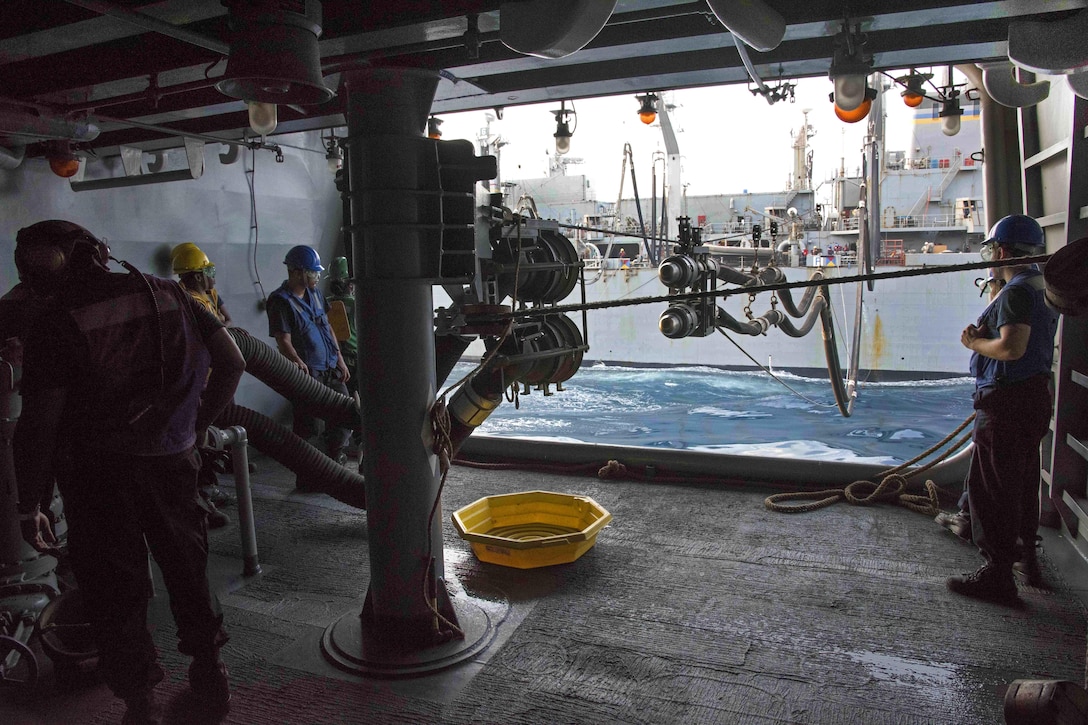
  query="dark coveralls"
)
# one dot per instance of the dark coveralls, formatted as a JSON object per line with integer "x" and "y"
{"x": 1012, "y": 414}
{"x": 306, "y": 321}
{"x": 126, "y": 465}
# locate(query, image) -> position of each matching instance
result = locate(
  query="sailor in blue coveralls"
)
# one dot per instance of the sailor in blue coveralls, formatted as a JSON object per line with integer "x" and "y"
{"x": 1013, "y": 348}
{"x": 297, "y": 319}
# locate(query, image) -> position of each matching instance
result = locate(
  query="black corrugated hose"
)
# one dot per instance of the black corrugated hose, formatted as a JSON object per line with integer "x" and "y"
{"x": 316, "y": 471}
{"x": 280, "y": 374}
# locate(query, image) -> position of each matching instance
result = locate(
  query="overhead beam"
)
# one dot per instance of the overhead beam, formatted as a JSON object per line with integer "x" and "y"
{"x": 153, "y": 24}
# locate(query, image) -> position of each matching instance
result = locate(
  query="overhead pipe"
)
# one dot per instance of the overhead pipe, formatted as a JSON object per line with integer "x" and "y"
{"x": 46, "y": 126}
{"x": 153, "y": 92}
{"x": 47, "y": 112}
{"x": 1001, "y": 174}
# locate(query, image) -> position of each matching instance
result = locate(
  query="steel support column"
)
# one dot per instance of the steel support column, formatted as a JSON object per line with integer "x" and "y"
{"x": 395, "y": 210}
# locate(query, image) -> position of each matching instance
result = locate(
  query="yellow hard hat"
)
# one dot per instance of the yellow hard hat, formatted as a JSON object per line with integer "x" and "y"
{"x": 187, "y": 257}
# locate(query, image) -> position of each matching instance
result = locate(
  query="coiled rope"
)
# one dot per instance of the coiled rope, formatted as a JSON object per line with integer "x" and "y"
{"x": 891, "y": 489}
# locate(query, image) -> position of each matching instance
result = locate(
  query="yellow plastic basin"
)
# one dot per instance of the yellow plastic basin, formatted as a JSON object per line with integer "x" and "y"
{"x": 532, "y": 528}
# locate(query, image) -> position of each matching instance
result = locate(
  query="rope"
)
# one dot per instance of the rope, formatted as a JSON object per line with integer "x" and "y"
{"x": 443, "y": 448}
{"x": 891, "y": 489}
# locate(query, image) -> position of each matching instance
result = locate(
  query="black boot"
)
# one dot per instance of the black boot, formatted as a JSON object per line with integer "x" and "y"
{"x": 987, "y": 582}
{"x": 1028, "y": 565}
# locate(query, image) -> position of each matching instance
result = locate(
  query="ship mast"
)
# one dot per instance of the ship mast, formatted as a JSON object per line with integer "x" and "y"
{"x": 802, "y": 157}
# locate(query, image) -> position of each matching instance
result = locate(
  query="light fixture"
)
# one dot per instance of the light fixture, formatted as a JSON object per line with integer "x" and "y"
{"x": 62, "y": 161}
{"x": 647, "y": 112}
{"x": 849, "y": 67}
{"x": 855, "y": 115}
{"x": 64, "y": 166}
{"x": 334, "y": 155}
{"x": 263, "y": 117}
{"x": 562, "y": 128}
{"x": 913, "y": 93}
{"x": 433, "y": 130}
{"x": 951, "y": 114}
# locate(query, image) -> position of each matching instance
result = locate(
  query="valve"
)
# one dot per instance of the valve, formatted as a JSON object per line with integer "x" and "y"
{"x": 688, "y": 318}
{"x": 681, "y": 270}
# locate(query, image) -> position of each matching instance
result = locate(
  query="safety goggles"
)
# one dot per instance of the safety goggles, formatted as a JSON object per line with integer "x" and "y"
{"x": 209, "y": 271}
{"x": 312, "y": 276}
{"x": 987, "y": 250}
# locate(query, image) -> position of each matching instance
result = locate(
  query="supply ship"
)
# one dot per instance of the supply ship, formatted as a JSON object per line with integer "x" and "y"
{"x": 930, "y": 210}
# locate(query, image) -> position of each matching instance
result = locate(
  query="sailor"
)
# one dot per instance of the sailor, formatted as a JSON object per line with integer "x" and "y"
{"x": 196, "y": 273}
{"x": 1013, "y": 347}
{"x": 298, "y": 320}
{"x": 342, "y": 290}
{"x": 116, "y": 396}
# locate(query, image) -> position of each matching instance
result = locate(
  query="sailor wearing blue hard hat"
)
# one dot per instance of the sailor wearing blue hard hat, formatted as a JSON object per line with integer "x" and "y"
{"x": 1012, "y": 346}
{"x": 298, "y": 320}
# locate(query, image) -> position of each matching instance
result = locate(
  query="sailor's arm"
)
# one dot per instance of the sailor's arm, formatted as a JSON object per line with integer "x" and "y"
{"x": 283, "y": 343}
{"x": 33, "y": 446}
{"x": 1010, "y": 344}
{"x": 227, "y": 368}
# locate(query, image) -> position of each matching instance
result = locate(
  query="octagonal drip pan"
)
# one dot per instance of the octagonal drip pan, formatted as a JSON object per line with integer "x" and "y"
{"x": 532, "y": 528}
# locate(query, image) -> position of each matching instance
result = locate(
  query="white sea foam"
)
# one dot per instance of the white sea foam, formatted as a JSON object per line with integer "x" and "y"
{"x": 725, "y": 413}
{"x": 804, "y": 449}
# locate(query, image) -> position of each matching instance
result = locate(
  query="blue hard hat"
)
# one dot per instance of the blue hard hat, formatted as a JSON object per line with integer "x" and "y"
{"x": 303, "y": 257}
{"x": 1018, "y": 231}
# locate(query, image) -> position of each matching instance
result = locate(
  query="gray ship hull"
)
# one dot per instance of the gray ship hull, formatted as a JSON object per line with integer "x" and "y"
{"x": 910, "y": 326}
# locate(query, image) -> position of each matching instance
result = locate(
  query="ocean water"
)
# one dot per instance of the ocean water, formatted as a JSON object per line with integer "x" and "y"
{"x": 740, "y": 413}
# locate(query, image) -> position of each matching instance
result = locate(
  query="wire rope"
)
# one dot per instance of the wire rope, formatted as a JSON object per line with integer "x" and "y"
{"x": 529, "y": 313}
{"x": 771, "y": 373}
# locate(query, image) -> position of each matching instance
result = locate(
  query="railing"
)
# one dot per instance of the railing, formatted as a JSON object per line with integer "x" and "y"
{"x": 907, "y": 221}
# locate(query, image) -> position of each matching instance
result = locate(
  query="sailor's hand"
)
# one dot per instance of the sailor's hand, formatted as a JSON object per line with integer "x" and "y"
{"x": 343, "y": 368}
{"x": 38, "y": 532}
{"x": 201, "y": 438}
{"x": 969, "y": 336}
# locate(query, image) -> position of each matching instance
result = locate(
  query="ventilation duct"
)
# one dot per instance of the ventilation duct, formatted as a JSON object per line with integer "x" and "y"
{"x": 10, "y": 158}
{"x": 753, "y": 21}
{"x": 552, "y": 28}
{"x": 1000, "y": 81}
{"x": 1053, "y": 48}
{"x": 274, "y": 54}
{"x": 1078, "y": 83}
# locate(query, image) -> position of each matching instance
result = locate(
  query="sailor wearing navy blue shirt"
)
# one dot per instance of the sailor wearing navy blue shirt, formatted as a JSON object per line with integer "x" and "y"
{"x": 1013, "y": 348}
{"x": 298, "y": 320}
